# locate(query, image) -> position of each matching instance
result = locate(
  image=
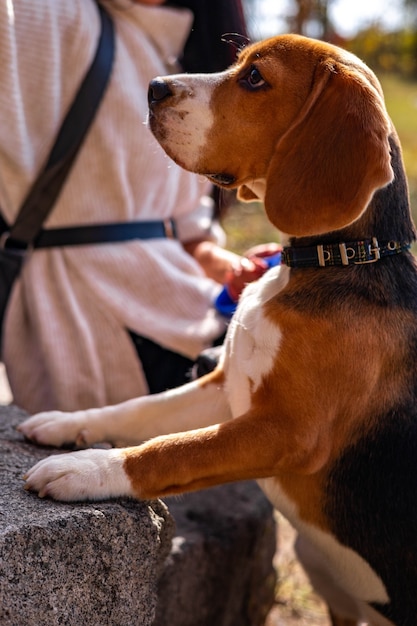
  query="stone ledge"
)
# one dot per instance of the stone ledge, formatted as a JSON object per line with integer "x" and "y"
{"x": 99, "y": 564}
{"x": 74, "y": 564}
{"x": 219, "y": 571}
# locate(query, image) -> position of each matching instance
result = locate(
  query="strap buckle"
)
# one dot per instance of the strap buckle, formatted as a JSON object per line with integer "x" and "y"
{"x": 20, "y": 249}
{"x": 4, "y": 237}
{"x": 169, "y": 227}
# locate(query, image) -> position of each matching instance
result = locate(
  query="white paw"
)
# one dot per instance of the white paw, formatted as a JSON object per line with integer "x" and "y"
{"x": 55, "y": 428}
{"x": 84, "y": 475}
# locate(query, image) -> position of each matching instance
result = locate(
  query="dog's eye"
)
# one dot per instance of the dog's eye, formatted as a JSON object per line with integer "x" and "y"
{"x": 253, "y": 79}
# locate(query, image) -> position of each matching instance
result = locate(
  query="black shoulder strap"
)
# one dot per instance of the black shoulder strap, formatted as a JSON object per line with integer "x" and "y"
{"x": 46, "y": 188}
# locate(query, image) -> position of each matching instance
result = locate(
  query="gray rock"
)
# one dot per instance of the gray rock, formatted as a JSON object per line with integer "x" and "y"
{"x": 219, "y": 572}
{"x": 74, "y": 564}
{"x": 99, "y": 564}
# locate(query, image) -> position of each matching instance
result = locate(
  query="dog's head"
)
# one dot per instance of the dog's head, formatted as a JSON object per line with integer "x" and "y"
{"x": 295, "y": 122}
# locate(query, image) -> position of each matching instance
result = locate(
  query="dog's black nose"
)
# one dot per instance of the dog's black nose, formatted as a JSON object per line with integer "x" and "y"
{"x": 158, "y": 90}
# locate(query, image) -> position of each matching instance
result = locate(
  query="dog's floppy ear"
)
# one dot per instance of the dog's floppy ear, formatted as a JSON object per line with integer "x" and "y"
{"x": 327, "y": 166}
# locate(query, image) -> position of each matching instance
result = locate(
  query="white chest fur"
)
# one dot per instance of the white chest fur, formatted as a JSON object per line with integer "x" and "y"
{"x": 252, "y": 340}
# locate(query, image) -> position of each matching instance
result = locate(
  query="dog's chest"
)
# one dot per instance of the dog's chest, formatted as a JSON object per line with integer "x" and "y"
{"x": 253, "y": 341}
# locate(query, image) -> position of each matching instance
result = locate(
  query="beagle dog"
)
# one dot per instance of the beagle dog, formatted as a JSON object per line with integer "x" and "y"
{"x": 316, "y": 395}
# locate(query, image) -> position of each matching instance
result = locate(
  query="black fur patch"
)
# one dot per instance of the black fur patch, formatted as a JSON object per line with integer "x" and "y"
{"x": 371, "y": 501}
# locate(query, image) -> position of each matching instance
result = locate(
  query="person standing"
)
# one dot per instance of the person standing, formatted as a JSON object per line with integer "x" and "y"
{"x": 80, "y": 316}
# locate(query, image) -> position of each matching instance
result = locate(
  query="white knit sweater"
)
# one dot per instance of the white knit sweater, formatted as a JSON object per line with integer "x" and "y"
{"x": 66, "y": 343}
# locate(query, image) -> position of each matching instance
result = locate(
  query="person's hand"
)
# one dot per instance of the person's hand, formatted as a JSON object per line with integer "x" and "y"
{"x": 242, "y": 273}
{"x": 216, "y": 262}
{"x": 251, "y": 267}
{"x": 230, "y": 269}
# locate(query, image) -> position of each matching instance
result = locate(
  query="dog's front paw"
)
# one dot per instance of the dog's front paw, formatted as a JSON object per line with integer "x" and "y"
{"x": 84, "y": 475}
{"x": 55, "y": 428}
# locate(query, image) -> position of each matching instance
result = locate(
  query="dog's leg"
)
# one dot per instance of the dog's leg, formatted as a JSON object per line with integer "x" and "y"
{"x": 194, "y": 405}
{"x": 321, "y": 578}
{"x": 237, "y": 449}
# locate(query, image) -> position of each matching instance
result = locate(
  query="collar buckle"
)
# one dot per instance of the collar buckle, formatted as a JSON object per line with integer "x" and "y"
{"x": 373, "y": 249}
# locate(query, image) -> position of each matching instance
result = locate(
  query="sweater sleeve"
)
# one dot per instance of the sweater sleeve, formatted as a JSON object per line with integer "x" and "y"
{"x": 200, "y": 225}
{"x": 66, "y": 335}
{"x": 44, "y": 57}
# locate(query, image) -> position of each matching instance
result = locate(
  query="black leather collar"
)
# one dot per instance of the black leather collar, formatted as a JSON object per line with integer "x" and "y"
{"x": 341, "y": 254}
